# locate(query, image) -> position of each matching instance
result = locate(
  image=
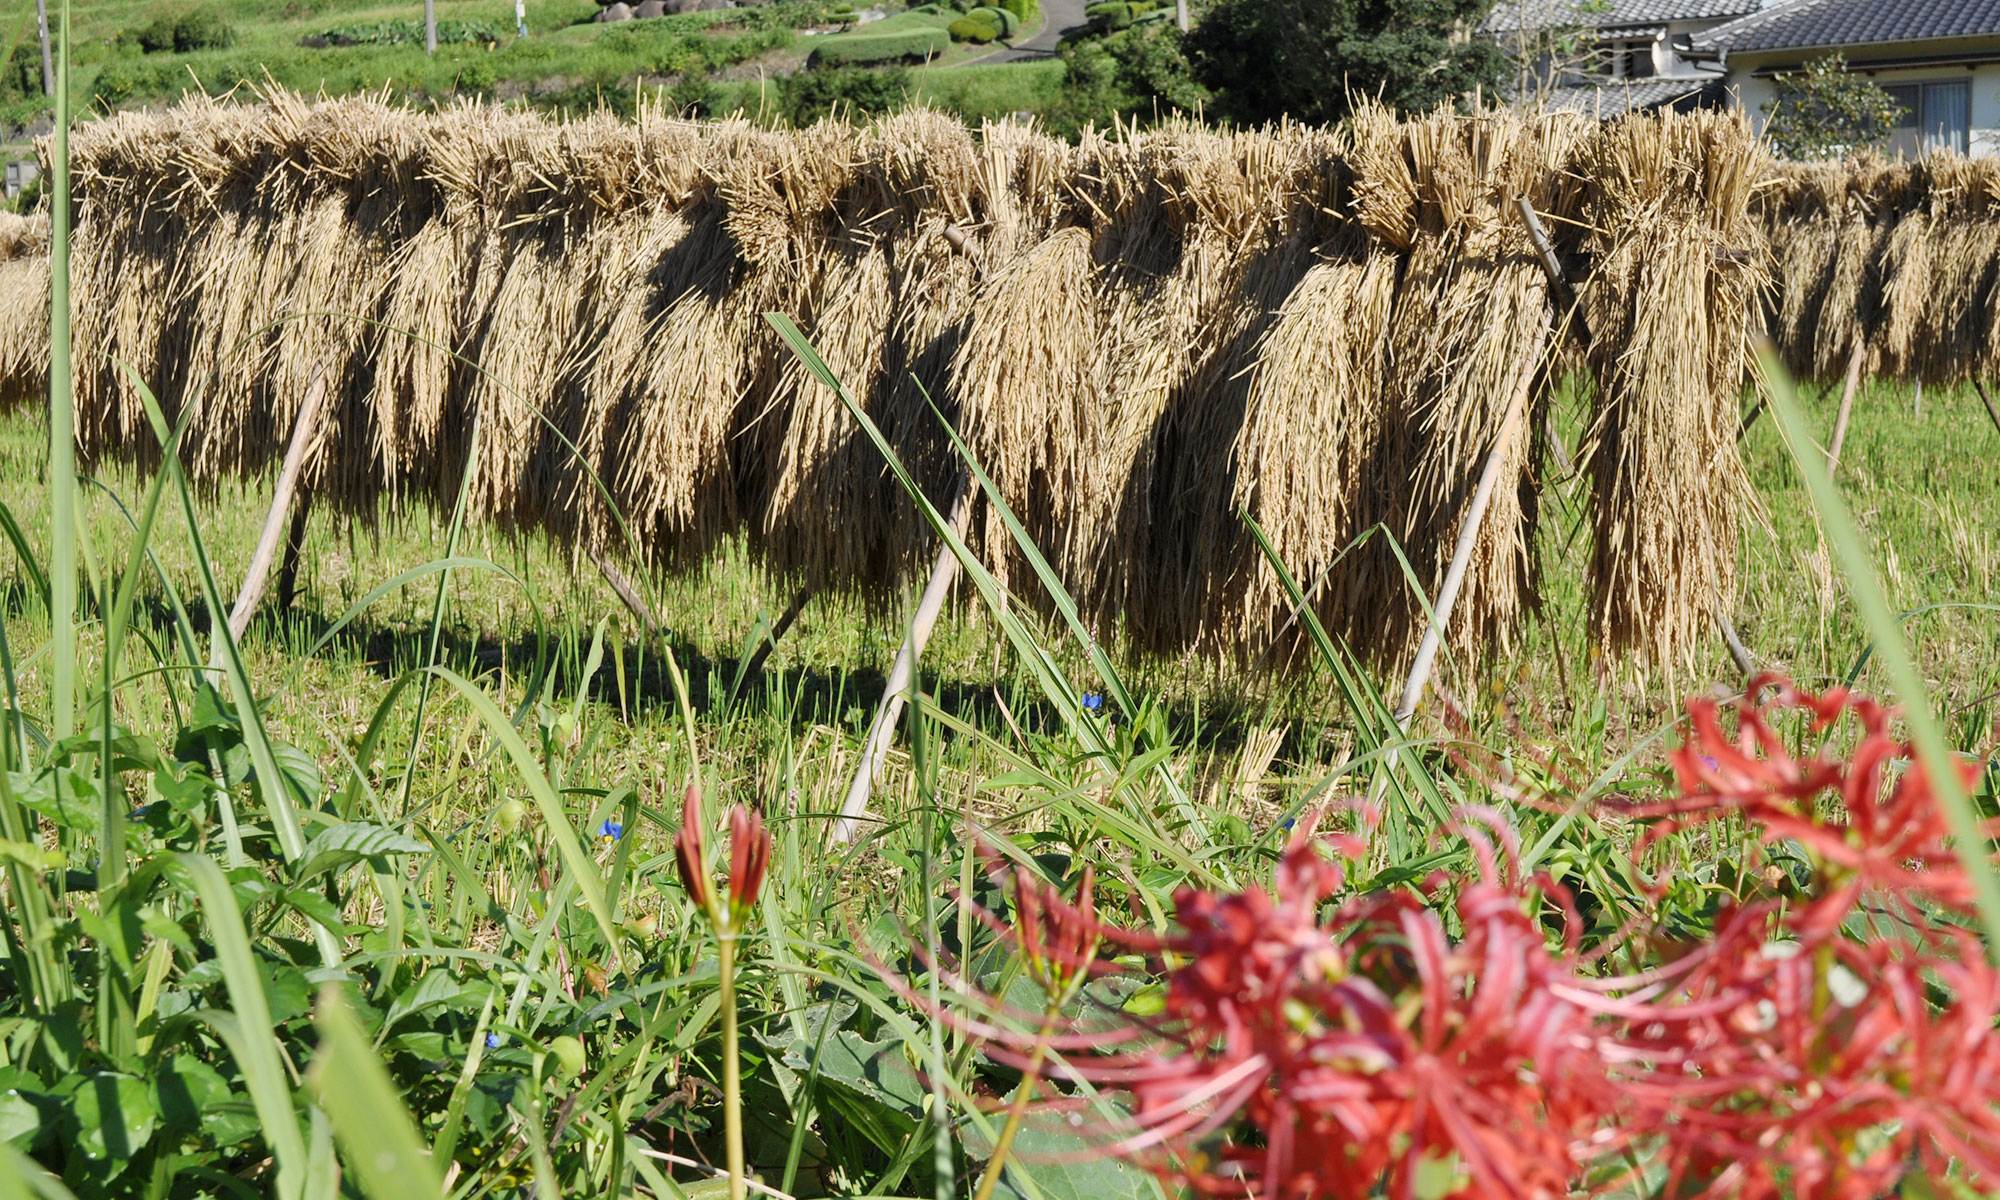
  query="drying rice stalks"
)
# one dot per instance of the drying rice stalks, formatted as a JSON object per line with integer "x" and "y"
{"x": 1668, "y": 316}
{"x": 1141, "y": 336}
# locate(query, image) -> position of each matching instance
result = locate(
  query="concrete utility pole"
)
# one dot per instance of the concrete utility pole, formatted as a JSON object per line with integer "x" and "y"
{"x": 1180, "y": 14}
{"x": 48, "y": 59}
{"x": 521, "y": 18}
{"x": 430, "y": 27}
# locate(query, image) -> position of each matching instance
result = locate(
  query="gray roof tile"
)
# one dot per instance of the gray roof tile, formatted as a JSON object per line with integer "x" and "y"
{"x": 1816, "y": 24}
{"x": 1616, "y": 99}
{"x": 1510, "y": 15}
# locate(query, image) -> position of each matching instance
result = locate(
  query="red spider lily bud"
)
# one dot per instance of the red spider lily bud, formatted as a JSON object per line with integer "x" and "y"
{"x": 749, "y": 857}
{"x": 689, "y": 850}
{"x": 1058, "y": 940}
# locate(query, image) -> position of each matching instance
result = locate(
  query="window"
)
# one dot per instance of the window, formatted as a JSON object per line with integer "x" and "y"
{"x": 1936, "y": 116}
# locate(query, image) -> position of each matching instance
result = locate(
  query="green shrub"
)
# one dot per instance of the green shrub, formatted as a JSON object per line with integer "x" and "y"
{"x": 1007, "y": 23}
{"x": 183, "y": 34}
{"x": 914, "y": 46}
{"x": 1109, "y": 15}
{"x": 23, "y": 75}
{"x": 809, "y": 95}
{"x": 408, "y": 33}
{"x": 974, "y": 30}
{"x": 202, "y": 30}
{"x": 1027, "y": 12}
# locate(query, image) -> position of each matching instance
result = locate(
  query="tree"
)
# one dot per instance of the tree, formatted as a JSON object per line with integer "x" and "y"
{"x": 1136, "y": 73}
{"x": 1825, "y": 112}
{"x": 1310, "y": 59}
{"x": 1552, "y": 44}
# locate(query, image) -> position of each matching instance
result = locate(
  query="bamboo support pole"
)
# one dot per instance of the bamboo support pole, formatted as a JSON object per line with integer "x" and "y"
{"x": 1991, "y": 412}
{"x": 275, "y": 522}
{"x": 875, "y": 751}
{"x": 295, "y": 545}
{"x": 626, "y": 592}
{"x": 1852, "y": 385}
{"x": 1468, "y": 533}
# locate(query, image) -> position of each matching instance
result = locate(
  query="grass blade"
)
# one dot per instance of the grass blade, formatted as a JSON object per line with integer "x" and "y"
{"x": 249, "y": 1031}
{"x": 62, "y": 420}
{"x": 1872, "y": 601}
{"x": 376, "y": 1136}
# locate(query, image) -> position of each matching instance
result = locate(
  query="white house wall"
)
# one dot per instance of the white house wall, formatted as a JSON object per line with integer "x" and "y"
{"x": 1755, "y": 96}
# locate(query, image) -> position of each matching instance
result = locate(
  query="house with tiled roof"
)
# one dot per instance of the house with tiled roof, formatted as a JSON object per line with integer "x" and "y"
{"x": 1938, "y": 59}
{"x": 1609, "y": 57}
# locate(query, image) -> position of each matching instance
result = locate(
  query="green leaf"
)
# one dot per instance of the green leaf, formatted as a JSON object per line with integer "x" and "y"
{"x": 437, "y": 988}
{"x": 350, "y": 842}
{"x": 377, "y": 1138}
{"x": 871, "y": 1084}
{"x": 185, "y": 1089}
{"x": 1045, "y": 1155}
{"x": 113, "y": 1116}
{"x": 20, "y": 1119}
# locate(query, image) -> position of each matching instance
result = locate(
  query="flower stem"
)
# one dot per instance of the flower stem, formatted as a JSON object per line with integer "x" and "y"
{"x": 1019, "y": 1107}
{"x": 732, "y": 1072}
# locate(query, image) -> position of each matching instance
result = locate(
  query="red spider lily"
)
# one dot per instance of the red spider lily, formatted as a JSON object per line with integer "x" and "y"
{"x": 690, "y": 849}
{"x": 1297, "y": 1058}
{"x": 1307, "y": 1049}
{"x": 749, "y": 860}
{"x": 1888, "y": 837}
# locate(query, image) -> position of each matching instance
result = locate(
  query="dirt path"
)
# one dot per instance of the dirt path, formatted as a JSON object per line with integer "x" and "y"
{"x": 1061, "y": 16}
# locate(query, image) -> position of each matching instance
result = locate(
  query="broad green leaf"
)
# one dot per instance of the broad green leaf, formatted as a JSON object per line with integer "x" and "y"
{"x": 114, "y": 1116}
{"x": 350, "y": 842}
{"x": 249, "y": 1032}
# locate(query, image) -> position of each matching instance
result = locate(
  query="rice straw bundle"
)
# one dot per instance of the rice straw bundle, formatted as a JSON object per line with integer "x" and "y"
{"x": 1668, "y": 318}
{"x": 1826, "y": 225}
{"x": 1471, "y": 318}
{"x": 1938, "y": 271}
{"x": 24, "y": 310}
{"x": 1247, "y": 208}
{"x": 1140, "y": 335}
{"x": 1028, "y": 383}
{"x": 887, "y": 286}
{"x": 636, "y": 180}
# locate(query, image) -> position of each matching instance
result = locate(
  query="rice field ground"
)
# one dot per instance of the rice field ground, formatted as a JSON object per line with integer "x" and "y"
{"x": 1921, "y": 486}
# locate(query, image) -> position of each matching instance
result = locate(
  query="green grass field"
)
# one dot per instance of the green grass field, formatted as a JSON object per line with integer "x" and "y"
{"x": 1921, "y": 487}
{"x": 565, "y": 62}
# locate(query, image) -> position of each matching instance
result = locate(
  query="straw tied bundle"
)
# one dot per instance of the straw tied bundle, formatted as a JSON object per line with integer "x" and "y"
{"x": 1141, "y": 336}
{"x": 1898, "y": 263}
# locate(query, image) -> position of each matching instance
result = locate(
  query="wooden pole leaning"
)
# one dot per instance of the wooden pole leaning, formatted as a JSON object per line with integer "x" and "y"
{"x": 875, "y": 750}
{"x": 1489, "y": 474}
{"x": 275, "y": 522}
{"x": 1855, "y": 358}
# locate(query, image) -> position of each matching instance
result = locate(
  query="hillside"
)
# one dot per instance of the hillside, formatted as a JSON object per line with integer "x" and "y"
{"x": 133, "y": 52}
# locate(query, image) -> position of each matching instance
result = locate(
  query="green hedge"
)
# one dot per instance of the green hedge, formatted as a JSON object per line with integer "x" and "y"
{"x": 1025, "y": 11}
{"x": 973, "y": 29}
{"x": 916, "y": 45}
{"x": 1007, "y": 22}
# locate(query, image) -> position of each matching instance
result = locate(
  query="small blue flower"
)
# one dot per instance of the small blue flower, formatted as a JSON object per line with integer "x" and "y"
{"x": 1288, "y": 822}
{"x": 492, "y": 1041}
{"x": 610, "y": 831}
{"x": 1708, "y": 760}
{"x": 1093, "y": 701}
